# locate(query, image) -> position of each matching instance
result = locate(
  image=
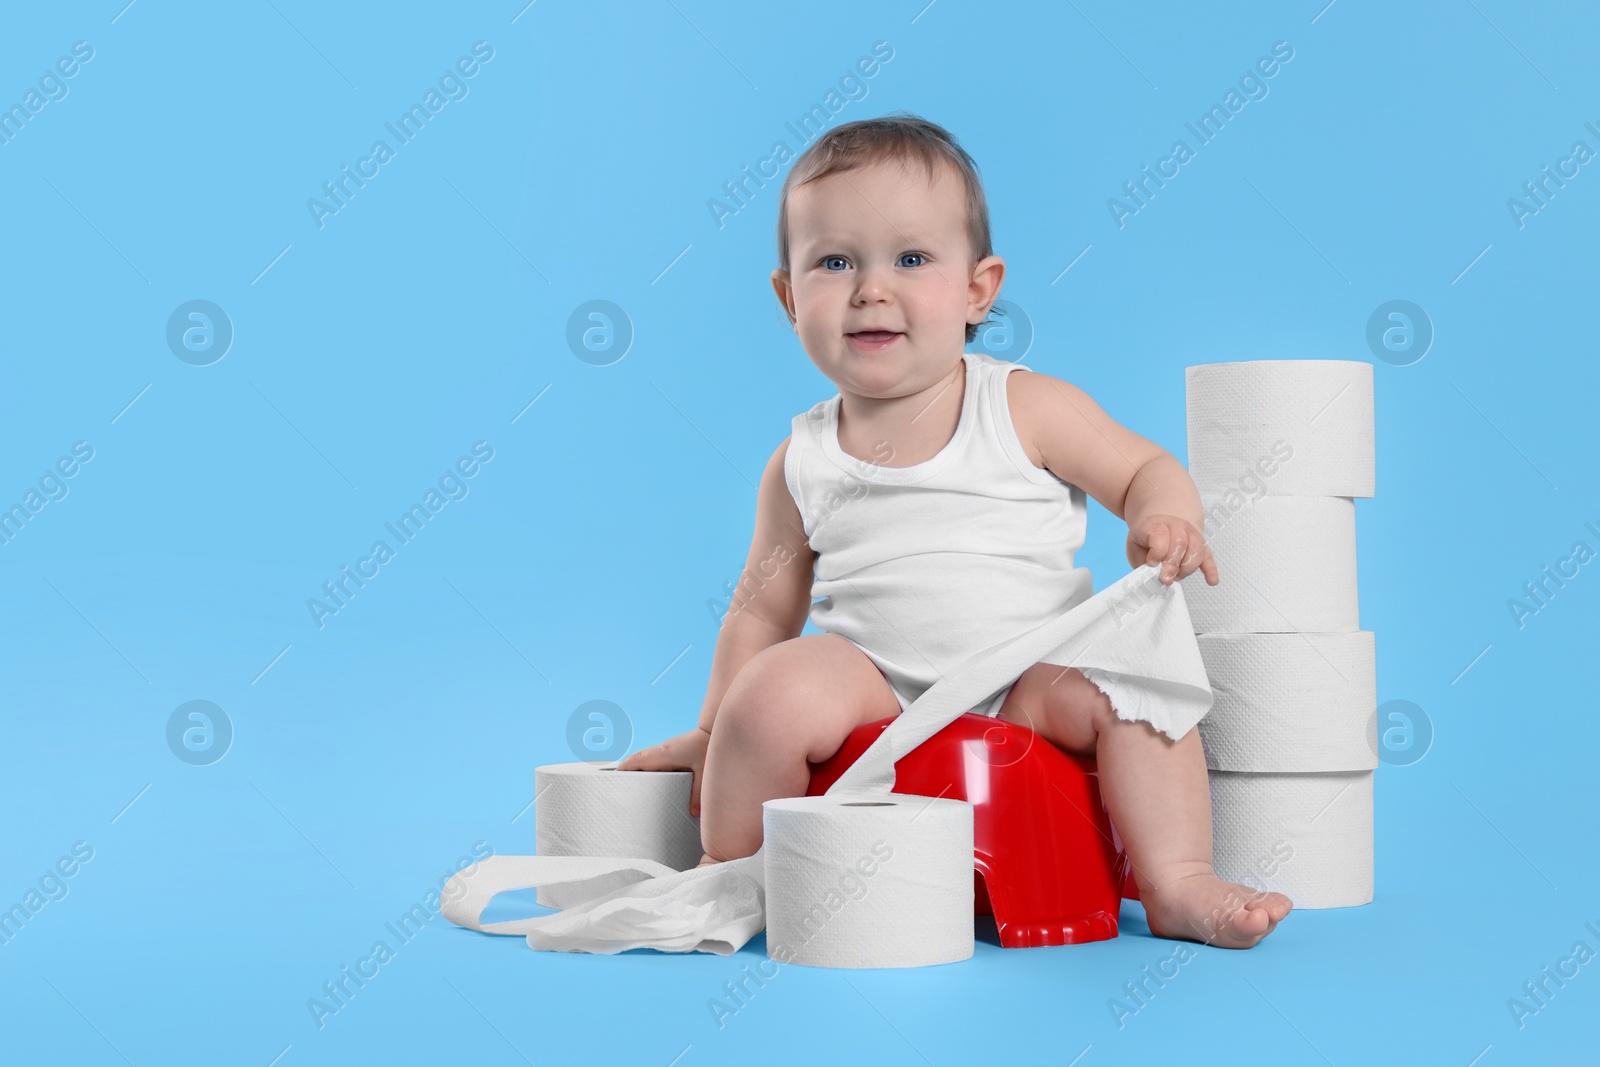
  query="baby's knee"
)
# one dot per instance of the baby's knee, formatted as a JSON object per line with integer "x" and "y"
{"x": 1102, "y": 714}
{"x": 803, "y": 696}
{"x": 1078, "y": 707}
{"x": 765, "y": 694}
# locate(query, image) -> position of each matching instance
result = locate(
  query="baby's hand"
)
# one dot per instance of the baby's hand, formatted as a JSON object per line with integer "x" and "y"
{"x": 686, "y": 752}
{"x": 1175, "y": 544}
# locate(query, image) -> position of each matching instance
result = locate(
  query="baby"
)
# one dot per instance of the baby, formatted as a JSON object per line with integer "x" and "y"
{"x": 934, "y": 506}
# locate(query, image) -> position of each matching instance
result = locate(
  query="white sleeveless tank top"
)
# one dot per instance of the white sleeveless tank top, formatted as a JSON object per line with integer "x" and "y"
{"x": 922, "y": 567}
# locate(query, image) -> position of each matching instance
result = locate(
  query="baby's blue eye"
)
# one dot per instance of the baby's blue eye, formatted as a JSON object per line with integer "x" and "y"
{"x": 827, "y": 261}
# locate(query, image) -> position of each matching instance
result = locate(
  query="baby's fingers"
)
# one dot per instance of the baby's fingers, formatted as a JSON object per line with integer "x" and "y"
{"x": 654, "y": 758}
{"x": 1159, "y": 546}
{"x": 1172, "y": 562}
{"x": 1194, "y": 556}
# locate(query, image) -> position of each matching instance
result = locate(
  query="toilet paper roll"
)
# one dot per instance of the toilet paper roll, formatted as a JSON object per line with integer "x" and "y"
{"x": 854, "y": 882}
{"x": 591, "y": 809}
{"x": 1291, "y": 702}
{"x": 1284, "y": 564}
{"x": 1298, "y": 427}
{"x": 1307, "y": 836}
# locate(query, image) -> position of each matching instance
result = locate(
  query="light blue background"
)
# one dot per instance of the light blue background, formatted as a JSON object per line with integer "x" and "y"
{"x": 371, "y": 353}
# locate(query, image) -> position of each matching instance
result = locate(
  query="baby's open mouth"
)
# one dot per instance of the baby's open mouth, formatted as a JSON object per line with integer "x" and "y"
{"x": 874, "y": 337}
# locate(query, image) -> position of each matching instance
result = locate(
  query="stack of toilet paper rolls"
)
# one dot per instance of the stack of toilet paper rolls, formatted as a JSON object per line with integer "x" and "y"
{"x": 1278, "y": 450}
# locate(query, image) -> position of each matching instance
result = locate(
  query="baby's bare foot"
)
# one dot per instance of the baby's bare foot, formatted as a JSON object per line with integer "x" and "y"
{"x": 706, "y": 861}
{"x": 1202, "y": 907}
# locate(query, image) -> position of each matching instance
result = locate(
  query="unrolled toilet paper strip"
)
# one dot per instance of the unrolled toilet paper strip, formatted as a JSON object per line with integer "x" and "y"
{"x": 1134, "y": 639}
{"x": 592, "y": 809}
{"x": 1122, "y": 638}
{"x": 1284, "y": 565}
{"x": 1291, "y": 702}
{"x": 1297, "y": 427}
{"x": 1307, "y": 836}
{"x": 883, "y": 882}
{"x": 469, "y": 891}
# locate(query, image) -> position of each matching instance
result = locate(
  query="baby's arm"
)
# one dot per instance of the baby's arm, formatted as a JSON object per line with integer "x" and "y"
{"x": 770, "y": 605}
{"x": 1133, "y": 478}
{"x": 773, "y": 597}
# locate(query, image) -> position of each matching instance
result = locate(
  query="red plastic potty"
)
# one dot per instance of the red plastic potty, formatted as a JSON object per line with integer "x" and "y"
{"x": 1049, "y": 865}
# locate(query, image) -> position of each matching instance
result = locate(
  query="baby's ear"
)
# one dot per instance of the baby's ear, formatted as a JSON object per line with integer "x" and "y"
{"x": 781, "y": 286}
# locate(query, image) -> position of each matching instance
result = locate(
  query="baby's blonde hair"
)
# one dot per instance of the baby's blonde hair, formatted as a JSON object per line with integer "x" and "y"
{"x": 901, "y": 137}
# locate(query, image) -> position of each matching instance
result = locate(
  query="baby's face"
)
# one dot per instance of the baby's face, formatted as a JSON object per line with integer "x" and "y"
{"x": 879, "y": 248}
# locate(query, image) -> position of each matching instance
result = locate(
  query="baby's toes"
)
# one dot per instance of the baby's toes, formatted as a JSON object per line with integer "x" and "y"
{"x": 1277, "y": 906}
{"x": 1246, "y": 927}
{"x": 1251, "y": 924}
{"x": 1240, "y": 930}
{"x": 1260, "y": 918}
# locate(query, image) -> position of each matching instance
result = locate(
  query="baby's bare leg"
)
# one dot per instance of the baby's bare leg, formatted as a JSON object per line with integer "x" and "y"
{"x": 793, "y": 702}
{"x": 1157, "y": 793}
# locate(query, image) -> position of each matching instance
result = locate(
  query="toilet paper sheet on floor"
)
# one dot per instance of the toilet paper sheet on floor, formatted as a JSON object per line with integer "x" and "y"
{"x": 1134, "y": 640}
